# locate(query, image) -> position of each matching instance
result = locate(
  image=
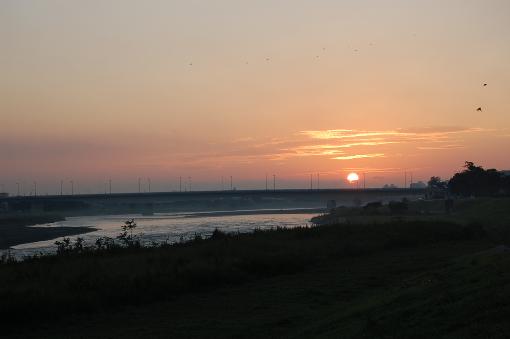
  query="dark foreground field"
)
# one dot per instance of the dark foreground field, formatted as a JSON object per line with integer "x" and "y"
{"x": 396, "y": 279}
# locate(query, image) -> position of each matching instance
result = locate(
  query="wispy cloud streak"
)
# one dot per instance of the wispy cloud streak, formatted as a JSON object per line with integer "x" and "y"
{"x": 359, "y": 156}
{"x": 342, "y": 144}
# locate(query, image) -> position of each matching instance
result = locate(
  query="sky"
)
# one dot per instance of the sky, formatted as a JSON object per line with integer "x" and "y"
{"x": 99, "y": 90}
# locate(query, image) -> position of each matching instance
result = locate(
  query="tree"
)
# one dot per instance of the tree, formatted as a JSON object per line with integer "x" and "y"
{"x": 476, "y": 181}
{"x": 436, "y": 183}
{"x": 126, "y": 236}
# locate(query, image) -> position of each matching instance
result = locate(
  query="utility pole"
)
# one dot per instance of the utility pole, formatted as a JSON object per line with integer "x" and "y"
{"x": 139, "y": 185}
{"x": 311, "y": 182}
{"x": 72, "y": 187}
{"x": 110, "y": 185}
{"x": 35, "y": 188}
{"x": 405, "y": 179}
{"x": 364, "y": 180}
{"x": 17, "y": 184}
{"x": 231, "y": 185}
{"x": 61, "y": 187}
{"x": 180, "y": 184}
{"x": 189, "y": 183}
{"x": 266, "y": 181}
{"x": 149, "y": 184}
{"x": 411, "y": 180}
{"x": 274, "y": 182}
{"x": 318, "y": 182}
{"x": 222, "y": 183}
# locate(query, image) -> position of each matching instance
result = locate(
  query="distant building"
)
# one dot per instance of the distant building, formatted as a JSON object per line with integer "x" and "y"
{"x": 418, "y": 185}
{"x": 4, "y": 195}
{"x": 390, "y": 186}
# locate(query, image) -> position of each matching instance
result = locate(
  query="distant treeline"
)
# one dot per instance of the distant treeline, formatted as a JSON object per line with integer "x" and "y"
{"x": 474, "y": 181}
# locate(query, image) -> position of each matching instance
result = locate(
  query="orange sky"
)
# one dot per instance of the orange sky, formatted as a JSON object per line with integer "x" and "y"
{"x": 94, "y": 90}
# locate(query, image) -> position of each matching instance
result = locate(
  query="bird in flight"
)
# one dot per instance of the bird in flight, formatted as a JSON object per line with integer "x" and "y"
{"x": 484, "y": 85}
{"x": 479, "y": 109}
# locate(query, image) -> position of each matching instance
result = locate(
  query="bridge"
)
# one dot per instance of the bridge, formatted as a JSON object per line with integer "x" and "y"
{"x": 159, "y": 202}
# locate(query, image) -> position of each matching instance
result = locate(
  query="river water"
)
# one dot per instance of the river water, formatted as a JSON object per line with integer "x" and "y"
{"x": 170, "y": 227}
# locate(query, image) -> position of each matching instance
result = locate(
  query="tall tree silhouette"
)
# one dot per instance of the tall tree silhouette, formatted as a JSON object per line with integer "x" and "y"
{"x": 476, "y": 181}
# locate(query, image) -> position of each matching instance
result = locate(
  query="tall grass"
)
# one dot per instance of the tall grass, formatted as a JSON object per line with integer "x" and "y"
{"x": 43, "y": 288}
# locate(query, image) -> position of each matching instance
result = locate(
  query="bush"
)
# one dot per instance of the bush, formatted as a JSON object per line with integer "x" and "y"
{"x": 398, "y": 207}
{"x": 126, "y": 236}
{"x": 474, "y": 230}
{"x": 372, "y": 207}
{"x": 217, "y": 234}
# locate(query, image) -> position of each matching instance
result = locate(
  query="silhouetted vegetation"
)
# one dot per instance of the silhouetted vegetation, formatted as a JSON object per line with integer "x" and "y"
{"x": 84, "y": 280}
{"x": 65, "y": 246}
{"x": 476, "y": 181}
{"x": 126, "y": 237}
{"x": 398, "y": 207}
{"x": 408, "y": 275}
{"x": 375, "y": 208}
{"x": 435, "y": 183}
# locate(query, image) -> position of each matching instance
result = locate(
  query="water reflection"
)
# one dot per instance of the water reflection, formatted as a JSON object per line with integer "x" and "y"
{"x": 165, "y": 227}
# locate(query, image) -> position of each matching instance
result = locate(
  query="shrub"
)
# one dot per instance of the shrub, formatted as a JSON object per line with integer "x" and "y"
{"x": 398, "y": 207}
{"x": 127, "y": 237}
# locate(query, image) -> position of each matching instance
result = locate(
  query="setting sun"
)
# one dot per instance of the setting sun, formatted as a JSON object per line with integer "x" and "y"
{"x": 352, "y": 177}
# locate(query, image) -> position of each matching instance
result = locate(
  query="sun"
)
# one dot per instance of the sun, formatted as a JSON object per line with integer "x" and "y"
{"x": 352, "y": 177}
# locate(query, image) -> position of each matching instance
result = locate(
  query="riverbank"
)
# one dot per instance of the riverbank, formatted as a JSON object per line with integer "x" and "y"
{"x": 390, "y": 277}
{"x": 16, "y": 230}
{"x": 254, "y": 212}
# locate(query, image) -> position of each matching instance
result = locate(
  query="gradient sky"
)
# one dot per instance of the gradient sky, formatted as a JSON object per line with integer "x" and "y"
{"x": 92, "y": 90}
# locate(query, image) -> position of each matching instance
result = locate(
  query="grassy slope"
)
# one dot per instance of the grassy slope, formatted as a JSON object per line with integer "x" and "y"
{"x": 437, "y": 290}
{"x": 397, "y": 280}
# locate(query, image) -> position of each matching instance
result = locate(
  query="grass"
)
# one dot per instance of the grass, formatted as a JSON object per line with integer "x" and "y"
{"x": 396, "y": 279}
{"x": 351, "y": 297}
{"x": 492, "y": 213}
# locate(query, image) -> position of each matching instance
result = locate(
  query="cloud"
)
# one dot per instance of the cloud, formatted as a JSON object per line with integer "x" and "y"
{"x": 411, "y": 133}
{"x": 342, "y": 144}
{"x": 174, "y": 152}
{"x": 376, "y": 169}
{"x": 345, "y": 134}
{"x": 359, "y": 156}
{"x": 425, "y": 138}
{"x": 442, "y": 147}
{"x": 439, "y": 130}
{"x": 348, "y": 145}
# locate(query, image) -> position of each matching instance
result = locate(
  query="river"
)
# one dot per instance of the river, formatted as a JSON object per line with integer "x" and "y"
{"x": 171, "y": 227}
